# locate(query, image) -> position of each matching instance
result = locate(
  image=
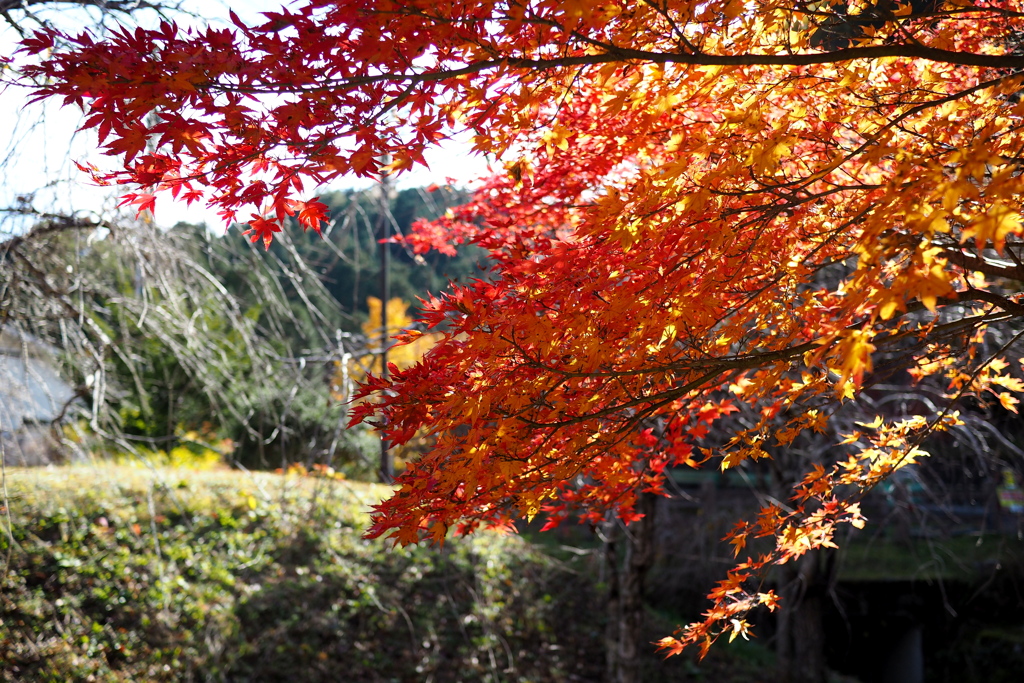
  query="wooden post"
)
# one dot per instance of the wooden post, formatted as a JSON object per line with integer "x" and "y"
{"x": 387, "y": 465}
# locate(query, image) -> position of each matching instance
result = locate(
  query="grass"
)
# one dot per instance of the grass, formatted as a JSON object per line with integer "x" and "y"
{"x": 128, "y": 574}
{"x": 960, "y": 558}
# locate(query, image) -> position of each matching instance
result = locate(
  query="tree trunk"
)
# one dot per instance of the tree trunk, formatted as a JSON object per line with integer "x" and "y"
{"x": 624, "y": 635}
{"x": 611, "y": 580}
{"x": 801, "y": 639}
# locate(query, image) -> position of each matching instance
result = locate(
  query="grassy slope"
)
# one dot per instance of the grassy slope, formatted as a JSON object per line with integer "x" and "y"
{"x": 129, "y": 574}
{"x": 122, "y": 574}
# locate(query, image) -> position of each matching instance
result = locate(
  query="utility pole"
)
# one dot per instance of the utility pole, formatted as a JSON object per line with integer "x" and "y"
{"x": 387, "y": 465}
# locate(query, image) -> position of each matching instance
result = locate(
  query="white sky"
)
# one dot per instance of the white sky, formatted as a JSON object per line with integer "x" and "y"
{"x": 36, "y": 158}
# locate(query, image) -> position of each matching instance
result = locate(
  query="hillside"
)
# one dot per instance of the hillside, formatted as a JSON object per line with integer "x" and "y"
{"x": 130, "y": 574}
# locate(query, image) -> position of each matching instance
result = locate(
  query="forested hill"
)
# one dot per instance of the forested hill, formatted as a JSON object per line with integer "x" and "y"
{"x": 345, "y": 259}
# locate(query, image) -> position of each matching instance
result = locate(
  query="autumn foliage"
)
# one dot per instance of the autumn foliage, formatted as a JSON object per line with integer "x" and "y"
{"x": 698, "y": 206}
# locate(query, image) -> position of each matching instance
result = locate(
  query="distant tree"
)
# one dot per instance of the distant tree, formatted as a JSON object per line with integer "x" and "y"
{"x": 347, "y": 258}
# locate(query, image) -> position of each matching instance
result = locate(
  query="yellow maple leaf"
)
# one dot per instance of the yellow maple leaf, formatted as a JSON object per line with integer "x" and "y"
{"x": 999, "y": 221}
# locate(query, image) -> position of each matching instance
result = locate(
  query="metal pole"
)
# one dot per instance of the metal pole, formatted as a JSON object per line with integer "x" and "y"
{"x": 387, "y": 465}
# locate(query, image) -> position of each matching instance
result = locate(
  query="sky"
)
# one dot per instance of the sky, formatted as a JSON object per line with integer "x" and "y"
{"x": 38, "y": 153}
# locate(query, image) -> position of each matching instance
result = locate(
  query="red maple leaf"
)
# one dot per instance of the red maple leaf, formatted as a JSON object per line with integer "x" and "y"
{"x": 142, "y": 201}
{"x": 262, "y": 229}
{"x": 310, "y": 214}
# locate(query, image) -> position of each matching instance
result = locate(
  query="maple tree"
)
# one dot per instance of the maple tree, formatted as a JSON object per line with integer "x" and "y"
{"x": 702, "y": 204}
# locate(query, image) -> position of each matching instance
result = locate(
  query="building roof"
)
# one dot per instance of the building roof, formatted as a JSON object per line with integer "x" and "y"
{"x": 31, "y": 389}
